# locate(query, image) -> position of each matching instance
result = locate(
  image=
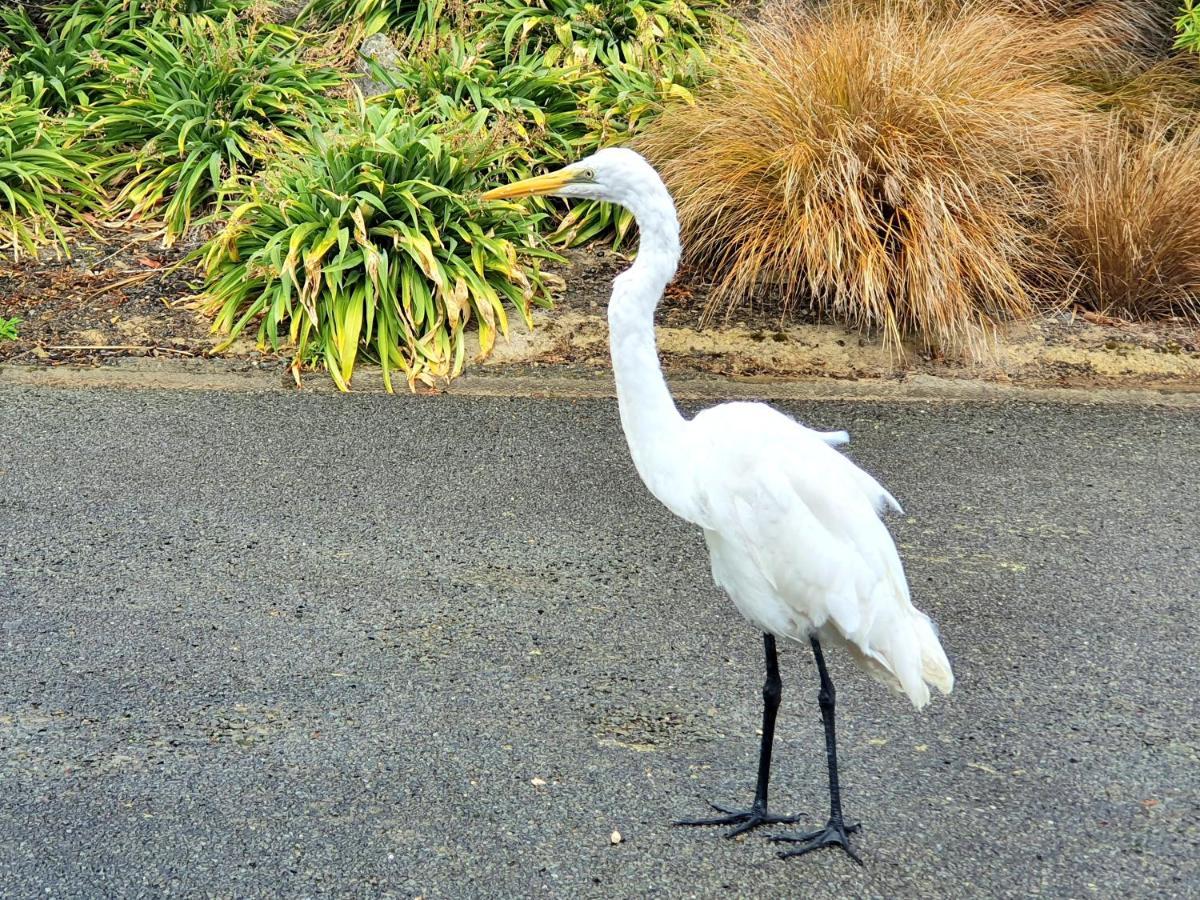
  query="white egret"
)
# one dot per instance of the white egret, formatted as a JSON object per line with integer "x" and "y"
{"x": 792, "y": 526}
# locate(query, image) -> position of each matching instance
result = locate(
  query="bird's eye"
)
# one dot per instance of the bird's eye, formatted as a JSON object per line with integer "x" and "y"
{"x": 588, "y": 174}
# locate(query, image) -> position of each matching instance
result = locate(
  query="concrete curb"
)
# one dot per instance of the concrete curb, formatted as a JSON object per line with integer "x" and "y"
{"x": 562, "y": 383}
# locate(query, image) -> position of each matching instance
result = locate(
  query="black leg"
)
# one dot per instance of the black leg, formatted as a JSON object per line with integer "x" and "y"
{"x": 836, "y": 832}
{"x": 772, "y": 693}
{"x": 746, "y": 819}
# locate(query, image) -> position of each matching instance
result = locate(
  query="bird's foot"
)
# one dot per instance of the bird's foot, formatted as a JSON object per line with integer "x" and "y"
{"x": 836, "y": 833}
{"x": 744, "y": 819}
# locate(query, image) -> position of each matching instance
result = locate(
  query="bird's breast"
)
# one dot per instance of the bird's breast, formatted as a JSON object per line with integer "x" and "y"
{"x": 751, "y": 592}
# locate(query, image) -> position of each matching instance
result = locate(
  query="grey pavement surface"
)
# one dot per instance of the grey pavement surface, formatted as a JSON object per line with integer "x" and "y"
{"x": 306, "y": 645}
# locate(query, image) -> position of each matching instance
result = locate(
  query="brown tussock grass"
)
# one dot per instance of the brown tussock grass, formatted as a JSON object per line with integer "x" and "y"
{"x": 1100, "y": 27}
{"x": 885, "y": 165}
{"x": 1163, "y": 90}
{"x": 1140, "y": 26}
{"x": 1129, "y": 221}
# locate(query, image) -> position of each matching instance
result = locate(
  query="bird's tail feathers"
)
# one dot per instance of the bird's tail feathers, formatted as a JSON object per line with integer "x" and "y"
{"x": 906, "y": 656}
{"x": 935, "y": 667}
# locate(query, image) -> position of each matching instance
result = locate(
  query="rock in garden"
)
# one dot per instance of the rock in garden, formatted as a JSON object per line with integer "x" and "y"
{"x": 377, "y": 49}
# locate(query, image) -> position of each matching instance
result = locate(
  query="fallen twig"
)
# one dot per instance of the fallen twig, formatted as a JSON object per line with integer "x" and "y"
{"x": 150, "y": 347}
{"x": 133, "y": 279}
{"x": 141, "y": 238}
{"x": 1097, "y": 318}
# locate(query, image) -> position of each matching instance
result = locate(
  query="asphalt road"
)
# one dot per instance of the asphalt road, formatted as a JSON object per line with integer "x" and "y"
{"x": 303, "y": 645}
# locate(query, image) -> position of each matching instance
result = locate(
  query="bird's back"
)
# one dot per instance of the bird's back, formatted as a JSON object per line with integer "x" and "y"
{"x": 796, "y": 540}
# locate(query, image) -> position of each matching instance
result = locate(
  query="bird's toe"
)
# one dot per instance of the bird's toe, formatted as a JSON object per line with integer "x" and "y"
{"x": 743, "y": 820}
{"x": 834, "y": 834}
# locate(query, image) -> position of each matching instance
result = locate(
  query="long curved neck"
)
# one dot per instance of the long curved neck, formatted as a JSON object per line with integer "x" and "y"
{"x": 652, "y": 423}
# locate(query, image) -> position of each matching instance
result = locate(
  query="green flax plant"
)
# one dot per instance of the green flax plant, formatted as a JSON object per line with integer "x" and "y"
{"x": 108, "y": 18}
{"x": 60, "y": 59}
{"x": 372, "y": 244}
{"x": 53, "y": 71}
{"x": 596, "y": 70}
{"x": 538, "y": 114}
{"x": 621, "y": 98}
{"x": 44, "y": 176}
{"x": 635, "y": 30}
{"x": 529, "y": 110}
{"x": 637, "y": 54}
{"x": 193, "y": 111}
{"x": 414, "y": 18}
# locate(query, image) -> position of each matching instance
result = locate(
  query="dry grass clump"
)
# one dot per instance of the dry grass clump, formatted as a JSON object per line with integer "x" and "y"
{"x": 1130, "y": 221}
{"x": 1159, "y": 91}
{"x": 1146, "y": 22}
{"x": 887, "y": 167}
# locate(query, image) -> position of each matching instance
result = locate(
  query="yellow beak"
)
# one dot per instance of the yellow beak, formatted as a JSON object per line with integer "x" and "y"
{"x": 531, "y": 187}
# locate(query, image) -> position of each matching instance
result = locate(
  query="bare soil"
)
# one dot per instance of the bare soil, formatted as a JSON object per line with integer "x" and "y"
{"x": 1067, "y": 348}
{"x": 119, "y": 294}
{"x": 122, "y": 294}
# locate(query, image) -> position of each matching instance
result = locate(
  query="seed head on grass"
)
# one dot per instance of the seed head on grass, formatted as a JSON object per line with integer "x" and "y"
{"x": 884, "y": 165}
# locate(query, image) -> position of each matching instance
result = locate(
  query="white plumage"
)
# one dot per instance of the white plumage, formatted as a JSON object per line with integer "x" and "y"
{"x": 792, "y": 526}
{"x": 796, "y": 541}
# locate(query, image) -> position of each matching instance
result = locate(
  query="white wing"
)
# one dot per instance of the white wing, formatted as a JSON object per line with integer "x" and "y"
{"x": 796, "y": 540}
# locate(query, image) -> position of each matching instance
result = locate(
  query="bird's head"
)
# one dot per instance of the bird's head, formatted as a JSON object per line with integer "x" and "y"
{"x": 614, "y": 174}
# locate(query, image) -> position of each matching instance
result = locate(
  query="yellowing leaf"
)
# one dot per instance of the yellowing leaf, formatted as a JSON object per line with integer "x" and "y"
{"x": 422, "y": 252}
{"x": 678, "y": 90}
{"x": 457, "y": 301}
